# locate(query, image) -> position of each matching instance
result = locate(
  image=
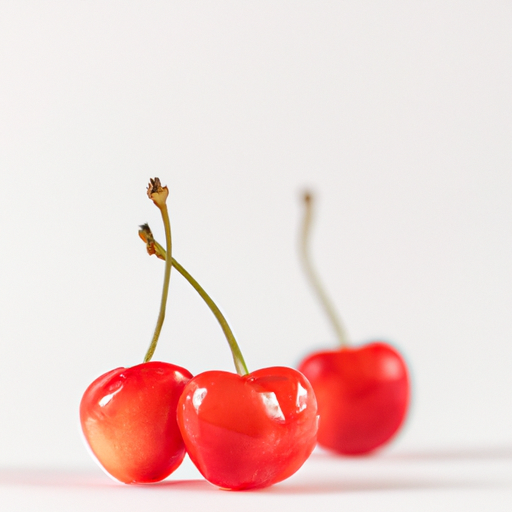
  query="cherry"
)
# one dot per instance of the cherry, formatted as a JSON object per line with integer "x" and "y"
{"x": 128, "y": 415}
{"x": 244, "y": 430}
{"x": 362, "y": 392}
{"x": 248, "y": 431}
{"x": 362, "y": 395}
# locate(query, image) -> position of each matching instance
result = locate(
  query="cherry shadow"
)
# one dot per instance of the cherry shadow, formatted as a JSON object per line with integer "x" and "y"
{"x": 322, "y": 484}
{"x": 80, "y": 480}
{"x": 434, "y": 455}
{"x": 380, "y": 485}
{"x": 87, "y": 479}
{"x": 29, "y": 477}
{"x": 454, "y": 455}
{"x": 347, "y": 484}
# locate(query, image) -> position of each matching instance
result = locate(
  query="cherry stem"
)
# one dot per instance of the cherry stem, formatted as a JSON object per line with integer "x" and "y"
{"x": 167, "y": 273}
{"x": 312, "y": 275}
{"x": 155, "y": 248}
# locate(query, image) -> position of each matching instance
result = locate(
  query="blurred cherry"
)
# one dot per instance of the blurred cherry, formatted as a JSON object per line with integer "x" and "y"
{"x": 362, "y": 392}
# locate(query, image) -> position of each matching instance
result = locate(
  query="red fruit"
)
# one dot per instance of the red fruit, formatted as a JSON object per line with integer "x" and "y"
{"x": 128, "y": 418}
{"x": 362, "y": 393}
{"x": 248, "y": 431}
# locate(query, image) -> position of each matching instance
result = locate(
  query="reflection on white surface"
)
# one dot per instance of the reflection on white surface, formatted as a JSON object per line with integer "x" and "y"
{"x": 392, "y": 481}
{"x": 272, "y": 405}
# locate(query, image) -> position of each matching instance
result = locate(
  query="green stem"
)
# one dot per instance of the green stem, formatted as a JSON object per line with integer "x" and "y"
{"x": 313, "y": 277}
{"x": 165, "y": 290}
{"x": 161, "y": 253}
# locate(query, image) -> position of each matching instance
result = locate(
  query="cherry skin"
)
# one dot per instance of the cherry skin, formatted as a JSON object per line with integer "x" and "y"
{"x": 248, "y": 431}
{"x": 128, "y": 418}
{"x": 362, "y": 393}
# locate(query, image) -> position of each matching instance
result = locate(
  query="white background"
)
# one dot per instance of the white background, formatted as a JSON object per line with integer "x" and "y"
{"x": 397, "y": 114}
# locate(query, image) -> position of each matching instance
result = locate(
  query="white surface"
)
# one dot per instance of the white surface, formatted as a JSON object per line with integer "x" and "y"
{"x": 398, "y": 114}
{"x": 395, "y": 482}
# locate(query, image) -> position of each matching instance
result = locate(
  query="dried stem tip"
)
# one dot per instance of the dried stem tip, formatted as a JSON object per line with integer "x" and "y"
{"x": 157, "y": 193}
{"x": 147, "y": 237}
{"x": 152, "y": 246}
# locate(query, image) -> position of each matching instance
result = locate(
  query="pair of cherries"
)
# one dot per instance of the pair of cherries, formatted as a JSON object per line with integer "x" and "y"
{"x": 244, "y": 430}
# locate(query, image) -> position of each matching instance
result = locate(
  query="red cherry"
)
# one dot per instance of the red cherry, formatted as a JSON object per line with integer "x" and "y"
{"x": 128, "y": 415}
{"x": 362, "y": 393}
{"x": 248, "y": 431}
{"x": 128, "y": 418}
